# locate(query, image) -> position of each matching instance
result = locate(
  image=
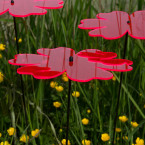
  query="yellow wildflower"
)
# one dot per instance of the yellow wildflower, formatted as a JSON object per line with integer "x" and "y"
{"x": 114, "y": 78}
{"x": 76, "y": 94}
{"x": 139, "y": 141}
{"x": 1, "y": 56}
{"x": 4, "y": 143}
{"x": 86, "y": 142}
{"x": 125, "y": 137}
{"x": 85, "y": 121}
{"x": 88, "y": 111}
{"x": 23, "y": 138}
{"x": 0, "y": 134}
{"x": 35, "y": 133}
{"x": 60, "y": 130}
{"x": 64, "y": 142}
{"x": 64, "y": 74}
{"x": 144, "y": 106}
{"x": 118, "y": 129}
{"x": 65, "y": 78}
{"x": 56, "y": 104}
{"x": 2, "y": 47}
{"x": 59, "y": 88}
{"x": 53, "y": 84}
{"x": 11, "y": 131}
{"x": 134, "y": 124}
{"x": 105, "y": 137}
{"x": 1, "y": 77}
{"x": 20, "y": 40}
{"x": 117, "y": 138}
{"x": 123, "y": 118}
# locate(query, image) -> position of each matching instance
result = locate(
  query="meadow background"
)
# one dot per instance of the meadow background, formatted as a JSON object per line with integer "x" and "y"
{"x": 60, "y": 28}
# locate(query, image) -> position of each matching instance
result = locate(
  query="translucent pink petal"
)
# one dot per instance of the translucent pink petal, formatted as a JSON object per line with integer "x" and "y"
{"x": 116, "y": 24}
{"x": 23, "y": 8}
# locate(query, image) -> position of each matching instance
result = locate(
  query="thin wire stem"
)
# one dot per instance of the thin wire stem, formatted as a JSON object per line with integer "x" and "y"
{"x": 68, "y": 111}
{"x": 119, "y": 91}
{"x": 21, "y": 79}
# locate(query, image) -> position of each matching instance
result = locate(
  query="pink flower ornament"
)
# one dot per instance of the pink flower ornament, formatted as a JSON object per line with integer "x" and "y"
{"x": 82, "y": 67}
{"x": 23, "y": 8}
{"x": 116, "y": 24}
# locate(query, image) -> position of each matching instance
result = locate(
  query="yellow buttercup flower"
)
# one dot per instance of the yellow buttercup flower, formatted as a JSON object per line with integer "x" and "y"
{"x": 35, "y": 133}
{"x": 123, "y": 118}
{"x": 65, "y": 78}
{"x": 134, "y": 124}
{"x": 114, "y": 78}
{"x": 139, "y": 141}
{"x": 59, "y": 88}
{"x": 85, "y": 121}
{"x": 4, "y": 143}
{"x": 56, "y": 104}
{"x": 20, "y": 40}
{"x": 105, "y": 137}
{"x": 1, "y": 77}
{"x": 88, "y": 111}
{"x": 2, "y": 47}
{"x": 53, "y": 84}
{"x": 125, "y": 137}
{"x": 1, "y": 56}
{"x": 86, "y": 142}
{"x": 11, "y": 131}
{"x": 118, "y": 129}
{"x": 64, "y": 142}
{"x": 24, "y": 138}
{"x": 0, "y": 134}
{"x": 76, "y": 94}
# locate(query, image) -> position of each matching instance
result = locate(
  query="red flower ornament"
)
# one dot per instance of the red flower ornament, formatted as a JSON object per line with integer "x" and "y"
{"x": 23, "y": 8}
{"x": 116, "y": 24}
{"x": 82, "y": 67}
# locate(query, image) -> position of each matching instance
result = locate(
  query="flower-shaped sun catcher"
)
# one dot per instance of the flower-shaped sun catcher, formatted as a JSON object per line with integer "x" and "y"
{"x": 116, "y": 24}
{"x": 82, "y": 67}
{"x": 23, "y": 8}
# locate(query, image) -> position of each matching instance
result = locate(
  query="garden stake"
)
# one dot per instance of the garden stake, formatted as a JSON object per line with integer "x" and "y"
{"x": 119, "y": 92}
{"x": 68, "y": 111}
{"x": 21, "y": 79}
